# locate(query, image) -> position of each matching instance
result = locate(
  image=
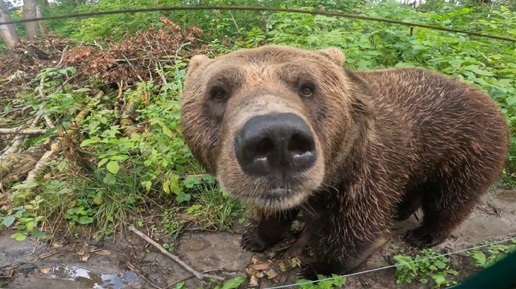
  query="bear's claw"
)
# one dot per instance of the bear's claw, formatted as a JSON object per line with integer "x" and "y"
{"x": 424, "y": 238}
{"x": 252, "y": 242}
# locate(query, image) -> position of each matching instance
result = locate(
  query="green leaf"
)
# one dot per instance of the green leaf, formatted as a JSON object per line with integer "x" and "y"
{"x": 182, "y": 197}
{"x": 440, "y": 264}
{"x": 9, "y": 220}
{"x": 38, "y": 234}
{"x": 84, "y": 220}
{"x": 166, "y": 187}
{"x": 233, "y": 283}
{"x": 113, "y": 167}
{"x": 92, "y": 140}
{"x": 102, "y": 162}
{"x": 19, "y": 236}
{"x": 119, "y": 158}
{"x": 174, "y": 184}
{"x": 109, "y": 179}
{"x": 180, "y": 285}
{"x": 439, "y": 279}
{"x": 511, "y": 100}
{"x": 30, "y": 225}
{"x": 148, "y": 185}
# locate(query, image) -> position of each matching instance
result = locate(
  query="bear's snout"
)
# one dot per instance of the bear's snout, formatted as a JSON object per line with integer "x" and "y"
{"x": 276, "y": 145}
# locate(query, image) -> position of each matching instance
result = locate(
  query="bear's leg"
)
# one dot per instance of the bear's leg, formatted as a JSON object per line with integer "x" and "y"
{"x": 267, "y": 230}
{"x": 342, "y": 242}
{"x": 446, "y": 204}
{"x": 343, "y": 258}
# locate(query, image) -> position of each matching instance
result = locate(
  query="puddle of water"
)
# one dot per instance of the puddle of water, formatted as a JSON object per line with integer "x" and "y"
{"x": 93, "y": 280}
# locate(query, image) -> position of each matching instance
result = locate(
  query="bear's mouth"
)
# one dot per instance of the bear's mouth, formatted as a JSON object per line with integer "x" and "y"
{"x": 280, "y": 192}
{"x": 277, "y": 193}
{"x": 277, "y": 197}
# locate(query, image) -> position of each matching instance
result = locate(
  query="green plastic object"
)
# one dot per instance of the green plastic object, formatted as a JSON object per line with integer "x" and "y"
{"x": 500, "y": 275}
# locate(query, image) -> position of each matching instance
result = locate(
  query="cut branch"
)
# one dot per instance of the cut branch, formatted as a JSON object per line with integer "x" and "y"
{"x": 55, "y": 147}
{"x": 196, "y": 273}
{"x": 22, "y": 131}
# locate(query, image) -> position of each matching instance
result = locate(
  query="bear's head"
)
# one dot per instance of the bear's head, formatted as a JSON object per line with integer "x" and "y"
{"x": 272, "y": 123}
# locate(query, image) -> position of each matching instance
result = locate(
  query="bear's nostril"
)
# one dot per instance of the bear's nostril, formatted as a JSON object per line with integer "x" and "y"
{"x": 300, "y": 145}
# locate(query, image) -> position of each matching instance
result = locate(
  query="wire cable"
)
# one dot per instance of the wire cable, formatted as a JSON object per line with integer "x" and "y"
{"x": 250, "y": 8}
{"x": 394, "y": 265}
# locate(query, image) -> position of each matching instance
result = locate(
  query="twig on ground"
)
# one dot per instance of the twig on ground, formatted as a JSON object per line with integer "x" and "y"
{"x": 63, "y": 53}
{"x": 22, "y": 131}
{"x": 204, "y": 272}
{"x": 20, "y": 138}
{"x": 196, "y": 273}
{"x": 17, "y": 142}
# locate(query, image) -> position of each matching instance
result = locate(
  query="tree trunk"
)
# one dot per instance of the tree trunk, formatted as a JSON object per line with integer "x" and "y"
{"x": 41, "y": 24}
{"x": 29, "y": 12}
{"x": 7, "y": 32}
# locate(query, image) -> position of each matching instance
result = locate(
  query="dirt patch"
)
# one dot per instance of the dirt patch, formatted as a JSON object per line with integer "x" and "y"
{"x": 131, "y": 263}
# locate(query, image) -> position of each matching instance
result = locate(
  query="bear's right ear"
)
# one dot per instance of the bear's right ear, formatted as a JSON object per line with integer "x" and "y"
{"x": 196, "y": 61}
{"x": 334, "y": 54}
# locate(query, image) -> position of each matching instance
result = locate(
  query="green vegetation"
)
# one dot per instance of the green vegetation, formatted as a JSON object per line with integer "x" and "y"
{"x": 490, "y": 255}
{"x": 426, "y": 266}
{"x": 228, "y": 284}
{"x": 335, "y": 282}
{"x": 110, "y": 106}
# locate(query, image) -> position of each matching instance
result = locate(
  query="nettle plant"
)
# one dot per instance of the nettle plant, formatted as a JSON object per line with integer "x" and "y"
{"x": 429, "y": 265}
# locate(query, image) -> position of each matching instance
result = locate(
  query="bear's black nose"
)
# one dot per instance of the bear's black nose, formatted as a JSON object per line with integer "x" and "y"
{"x": 276, "y": 145}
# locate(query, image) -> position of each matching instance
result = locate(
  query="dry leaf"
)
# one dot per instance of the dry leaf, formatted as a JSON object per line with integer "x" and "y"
{"x": 85, "y": 258}
{"x": 102, "y": 252}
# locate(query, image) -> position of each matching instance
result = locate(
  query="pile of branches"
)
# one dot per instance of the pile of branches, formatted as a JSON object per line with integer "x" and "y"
{"x": 138, "y": 57}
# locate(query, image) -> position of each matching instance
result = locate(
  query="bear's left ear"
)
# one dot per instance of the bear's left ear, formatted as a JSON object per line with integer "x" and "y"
{"x": 196, "y": 61}
{"x": 334, "y": 54}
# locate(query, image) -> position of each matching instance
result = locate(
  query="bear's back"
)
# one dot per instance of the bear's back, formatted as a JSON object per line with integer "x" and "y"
{"x": 439, "y": 117}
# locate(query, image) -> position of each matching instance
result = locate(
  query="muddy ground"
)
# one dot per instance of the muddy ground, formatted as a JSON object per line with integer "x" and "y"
{"x": 130, "y": 262}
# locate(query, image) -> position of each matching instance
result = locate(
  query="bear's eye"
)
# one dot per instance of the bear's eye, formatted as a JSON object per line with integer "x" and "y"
{"x": 306, "y": 90}
{"x": 218, "y": 94}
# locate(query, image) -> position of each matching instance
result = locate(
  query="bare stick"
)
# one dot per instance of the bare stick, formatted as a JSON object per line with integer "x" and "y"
{"x": 17, "y": 142}
{"x": 196, "y": 273}
{"x": 55, "y": 147}
{"x": 22, "y": 131}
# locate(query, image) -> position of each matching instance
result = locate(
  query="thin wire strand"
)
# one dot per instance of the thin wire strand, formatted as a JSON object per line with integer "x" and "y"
{"x": 395, "y": 265}
{"x": 250, "y": 8}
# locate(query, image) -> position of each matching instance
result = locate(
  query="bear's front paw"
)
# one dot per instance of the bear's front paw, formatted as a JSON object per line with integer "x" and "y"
{"x": 309, "y": 272}
{"x": 251, "y": 241}
{"x": 424, "y": 238}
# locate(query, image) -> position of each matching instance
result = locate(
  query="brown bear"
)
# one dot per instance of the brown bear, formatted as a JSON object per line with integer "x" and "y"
{"x": 288, "y": 130}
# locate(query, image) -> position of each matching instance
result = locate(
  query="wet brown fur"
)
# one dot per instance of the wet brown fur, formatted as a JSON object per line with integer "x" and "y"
{"x": 390, "y": 141}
